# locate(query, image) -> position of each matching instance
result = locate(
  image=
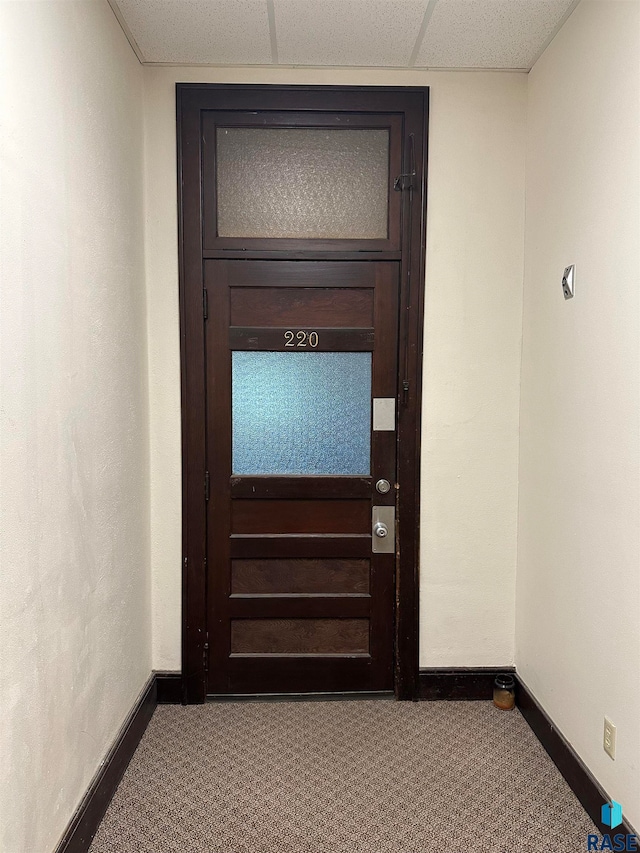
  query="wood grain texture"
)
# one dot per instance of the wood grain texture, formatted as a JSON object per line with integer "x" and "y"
{"x": 302, "y": 307}
{"x": 412, "y": 277}
{"x": 299, "y": 636}
{"x": 299, "y": 606}
{"x": 193, "y": 395}
{"x": 300, "y": 486}
{"x": 301, "y": 273}
{"x": 312, "y": 546}
{"x": 303, "y": 516}
{"x": 311, "y": 577}
{"x": 312, "y": 265}
{"x": 268, "y": 675}
{"x": 218, "y": 508}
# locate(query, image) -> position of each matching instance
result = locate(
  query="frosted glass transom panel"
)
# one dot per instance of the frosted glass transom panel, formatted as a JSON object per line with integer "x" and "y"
{"x": 302, "y": 183}
{"x": 301, "y": 413}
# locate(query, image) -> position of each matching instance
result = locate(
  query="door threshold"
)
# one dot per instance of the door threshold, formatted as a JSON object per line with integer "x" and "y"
{"x": 300, "y": 697}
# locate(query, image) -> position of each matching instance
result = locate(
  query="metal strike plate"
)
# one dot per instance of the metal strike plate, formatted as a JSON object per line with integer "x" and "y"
{"x": 384, "y": 414}
{"x": 383, "y": 529}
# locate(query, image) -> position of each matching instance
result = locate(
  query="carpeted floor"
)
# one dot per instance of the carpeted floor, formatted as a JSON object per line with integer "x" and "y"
{"x": 342, "y": 777}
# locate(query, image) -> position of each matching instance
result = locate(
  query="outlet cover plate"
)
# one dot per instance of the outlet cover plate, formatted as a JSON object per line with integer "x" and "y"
{"x": 609, "y": 739}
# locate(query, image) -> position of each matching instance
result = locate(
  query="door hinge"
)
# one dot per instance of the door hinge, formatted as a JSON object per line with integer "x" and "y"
{"x": 206, "y": 485}
{"x": 205, "y": 304}
{"x": 405, "y": 392}
{"x": 205, "y": 655}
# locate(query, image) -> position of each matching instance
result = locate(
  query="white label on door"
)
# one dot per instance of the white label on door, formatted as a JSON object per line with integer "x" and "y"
{"x": 384, "y": 414}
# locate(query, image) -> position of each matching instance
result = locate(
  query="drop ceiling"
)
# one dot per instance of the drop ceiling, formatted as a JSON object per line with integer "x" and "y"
{"x": 471, "y": 34}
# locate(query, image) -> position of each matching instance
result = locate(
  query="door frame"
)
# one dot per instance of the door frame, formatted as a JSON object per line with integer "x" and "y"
{"x": 412, "y": 104}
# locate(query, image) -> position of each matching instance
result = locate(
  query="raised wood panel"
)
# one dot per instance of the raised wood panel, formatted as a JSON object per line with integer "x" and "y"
{"x": 301, "y": 307}
{"x": 299, "y": 606}
{"x": 310, "y": 577}
{"x": 283, "y": 517}
{"x": 300, "y": 486}
{"x": 316, "y": 545}
{"x": 301, "y": 273}
{"x": 299, "y": 636}
{"x": 317, "y": 674}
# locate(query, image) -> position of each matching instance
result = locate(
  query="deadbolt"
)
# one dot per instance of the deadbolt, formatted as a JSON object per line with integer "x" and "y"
{"x": 383, "y": 486}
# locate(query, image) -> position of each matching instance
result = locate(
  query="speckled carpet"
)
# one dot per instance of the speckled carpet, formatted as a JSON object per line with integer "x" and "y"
{"x": 343, "y": 777}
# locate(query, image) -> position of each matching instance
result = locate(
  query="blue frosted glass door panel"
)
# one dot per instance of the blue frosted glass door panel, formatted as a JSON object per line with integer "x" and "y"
{"x": 301, "y": 413}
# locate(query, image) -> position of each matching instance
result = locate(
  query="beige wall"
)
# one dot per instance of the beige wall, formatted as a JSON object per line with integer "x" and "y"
{"x": 578, "y": 581}
{"x": 80, "y": 414}
{"x": 472, "y": 353}
{"x": 74, "y": 580}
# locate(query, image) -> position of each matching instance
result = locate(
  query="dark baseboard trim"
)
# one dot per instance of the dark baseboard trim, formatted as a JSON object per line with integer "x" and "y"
{"x": 578, "y": 777}
{"x": 169, "y": 688}
{"x": 434, "y": 684}
{"x": 86, "y": 820}
{"x": 461, "y": 683}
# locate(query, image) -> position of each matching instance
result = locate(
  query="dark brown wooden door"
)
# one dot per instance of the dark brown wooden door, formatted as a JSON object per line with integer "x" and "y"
{"x": 296, "y": 354}
{"x": 302, "y": 223}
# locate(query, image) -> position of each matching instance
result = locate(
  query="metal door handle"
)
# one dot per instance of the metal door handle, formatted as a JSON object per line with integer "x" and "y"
{"x": 383, "y": 525}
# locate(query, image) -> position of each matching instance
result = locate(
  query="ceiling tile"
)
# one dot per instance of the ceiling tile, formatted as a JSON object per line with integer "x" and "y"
{"x": 347, "y": 32}
{"x": 489, "y": 33}
{"x": 216, "y": 32}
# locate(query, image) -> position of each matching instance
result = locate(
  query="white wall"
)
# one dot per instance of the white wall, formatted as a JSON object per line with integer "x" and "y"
{"x": 472, "y": 353}
{"x": 74, "y": 581}
{"x": 578, "y": 581}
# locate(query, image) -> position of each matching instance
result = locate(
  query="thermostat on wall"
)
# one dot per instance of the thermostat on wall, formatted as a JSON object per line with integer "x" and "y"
{"x": 568, "y": 281}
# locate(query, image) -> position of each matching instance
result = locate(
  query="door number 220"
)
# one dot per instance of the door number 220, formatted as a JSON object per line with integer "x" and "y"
{"x": 300, "y": 339}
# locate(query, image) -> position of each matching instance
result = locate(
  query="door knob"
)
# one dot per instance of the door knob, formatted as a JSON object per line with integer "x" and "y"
{"x": 381, "y": 530}
{"x": 383, "y": 525}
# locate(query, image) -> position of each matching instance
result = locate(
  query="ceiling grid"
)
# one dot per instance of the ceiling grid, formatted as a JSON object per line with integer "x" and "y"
{"x": 425, "y": 34}
{"x": 271, "y": 12}
{"x": 428, "y": 12}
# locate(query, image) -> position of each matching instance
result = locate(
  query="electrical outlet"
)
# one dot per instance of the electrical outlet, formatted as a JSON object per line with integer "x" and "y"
{"x": 609, "y": 740}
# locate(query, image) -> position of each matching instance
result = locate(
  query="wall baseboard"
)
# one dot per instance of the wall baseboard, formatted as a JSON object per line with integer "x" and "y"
{"x": 86, "y": 819}
{"x": 464, "y": 683}
{"x": 434, "y": 684}
{"x": 583, "y": 784}
{"x": 169, "y": 688}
